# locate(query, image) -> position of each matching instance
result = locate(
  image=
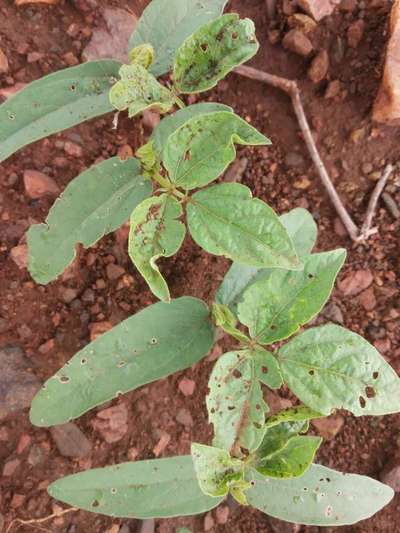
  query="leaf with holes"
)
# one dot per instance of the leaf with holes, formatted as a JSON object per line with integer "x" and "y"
{"x": 302, "y": 230}
{"x": 138, "y": 90}
{"x": 55, "y": 103}
{"x": 267, "y": 368}
{"x": 155, "y": 232}
{"x": 292, "y": 460}
{"x": 202, "y": 148}
{"x": 212, "y": 51}
{"x": 235, "y": 403}
{"x": 93, "y": 204}
{"x": 171, "y": 123}
{"x": 160, "y": 340}
{"x": 216, "y": 470}
{"x": 293, "y": 414}
{"x": 156, "y": 488}
{"x": 180, "y": 18}
{"x": 275, "y": 307}
{"x": 225, "y": 220}
{"x": 330, "y": 367}
{"x": 321, "y": 497}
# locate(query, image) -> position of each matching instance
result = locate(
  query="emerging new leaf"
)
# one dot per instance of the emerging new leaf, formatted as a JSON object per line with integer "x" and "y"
{"x": 293, "y": 414}
{"x": 142, "y": 55}
{"x": 212, "y": 51}
{"x": 216, "y": 470}
{"x": 93, "y": 204}
{"x": 160, "y": 340}
{"x": 321, "y": 497}
{"x": 223, "y": 318}
{"x": 330, "y": 367}
{"x": 55, "y": 103}
{"x": 155, "y": 232}
{"x": 225, "y": 220}
{"x": 180, "y": 18}
{"x": 200, "y": 150}
{"x": 278, "y": 436}
{"x": 157, "y": 488}
{"x": 302, "y": 230}
{"x": 276, "y": 306}
{"x": 138, "y": 90}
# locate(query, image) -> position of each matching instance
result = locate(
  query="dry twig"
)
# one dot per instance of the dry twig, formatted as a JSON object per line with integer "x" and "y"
{"x": 36, "y": 521}
{"x": 291, "y": 88}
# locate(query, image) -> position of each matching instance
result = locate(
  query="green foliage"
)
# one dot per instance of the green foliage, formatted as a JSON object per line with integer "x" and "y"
{"x": 212, "y": 51}
{"x": 55, "y": 103}
{"x": 160, "y": 340}
{"x": 142, "y": 55}
{"x": 91, "y": 206}
{"x": 158, "y": 488}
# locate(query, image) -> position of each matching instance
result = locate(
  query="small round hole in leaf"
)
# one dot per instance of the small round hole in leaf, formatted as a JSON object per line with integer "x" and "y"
{"x": 237, "y": 374}
{"x": 362, "y": 402}
{"x": 235, "y": 35}
{"x": 204, "y": 47}
{"x": 264, "y": 369}
{"x": 64, "y": 379}
{"x": 95, "y": 503}
{"x": 375, "y": 375}
{"x": 370, "y": 392}
{"x": 311, "y": 372}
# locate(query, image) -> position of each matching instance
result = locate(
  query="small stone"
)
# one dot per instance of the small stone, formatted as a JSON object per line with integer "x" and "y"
{"x": 367, "y": 299}
{"x": 161, "y": 444}
{"x": 10, "y": 467}
{"x": 71, "y": 59}
{"x": 70, "y": 440}
{"x": 68, "y": 294}
{"x": 355, "y": 282}
{"x": 23, "y": 443}
{"x": 17, "y": 385}
{"x": 133, "y": 453}
{"x": 390, "y": 474}
{"x": 124, "y": 152}
{"x": 222, "y": 514}
{"x": 4, "y": 325}
{"x": 148, "y": 526}
{"x": 17, "y": 500}
{"x": 328, "y": 427}
{"x": 98, "y": 328}
{"x": 7, "y": 92}
{"x": 333, "y": 312}
{"x": 297, "y": 42}
{"x": 3, "y": 62}
{"x": 319, "y": 67}
{"x": 333, "y": 89}
{"x": 38, "y": 184}
{"x": 235, "y": 172}
{"x": 302, "y": 22}
{"x": 184, "y": 417}
{"x": 367, "y": 168}
{"x": 383, "y": 345}
{"x": 294, "y": 160}
{"x": 114, "y": 271}
{"x": 19, "y": 254}
{"x": 208, "y": 522}
{"x": 355, "y": 33}
{"x": 348, "y": 5}
{"x": 47, "y": 347}
{"x": 34, "y": 57}
{"x": 318, "y": 9}
{"x": 302, "y": 184}
{"x": 73, "y": 149}
{"x": 150, "y": 119}
{"x": 339, "y": 228}
{"x": 36, "y": 456}
{"x": 112, "y": 423}
{"x": 187, "y": 386}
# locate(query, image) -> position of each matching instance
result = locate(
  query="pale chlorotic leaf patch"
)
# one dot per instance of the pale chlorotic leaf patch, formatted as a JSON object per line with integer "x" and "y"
{"x": 321, "y": 497}
{"x": 216, "y": 470}
{"x": 155, "y": 232}
{"x": 330, "y": 367}
{"x": 95, "y": 203}
{"x": 154, "y": 343}
{"x": 56, "y": 102}
{"x": 138, "y": 90}
{"x": 142, "y": 55}
{"x": 212, "y": 51}
{"x": 166, "y": 33}
{"x": 276, "y": 306}
{"x": 302, "y": 230}
{"x": 202, "y": 148}
{"x": 225, "y": 220}
{"x": 156, "y": 488}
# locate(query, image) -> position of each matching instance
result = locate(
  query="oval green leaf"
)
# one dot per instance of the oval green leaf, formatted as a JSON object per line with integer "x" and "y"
{"x": 278, "y": 436}
{"x": 302, "y": 230}
{"x": 202, "y": 148}
{"x": 157, "y": 488}
{"x": 276, "y": 306}
{"x": 225, "y": 220}
{"x": 55, "y": 103}
{"x": 155, "y": 232}
{"x": 330, "y": 367}
{"x": 95, "y": 203}
{"x": 321, "y": 497}
{"x": 160, "y": 340}
{"x": 138, "y": 90}
{"x": 212, "y": 51}
{"x": 180, "y": 18}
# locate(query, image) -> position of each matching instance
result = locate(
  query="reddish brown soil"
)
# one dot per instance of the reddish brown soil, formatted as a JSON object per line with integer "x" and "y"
{"x": 37, "y": 314}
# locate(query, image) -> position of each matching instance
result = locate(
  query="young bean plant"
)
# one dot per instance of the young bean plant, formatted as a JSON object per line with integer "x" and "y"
{"x": 274, "y": 287}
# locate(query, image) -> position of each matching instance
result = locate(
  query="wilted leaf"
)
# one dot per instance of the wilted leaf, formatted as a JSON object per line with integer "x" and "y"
{"x": 55, "y": 103}
{"x": 201, "y": 149}
{"x": 157, "y": 488}
{"x": 330, "y": 367}
{"x": 212, "y": 51}
{"x": 155, "y": 232}
{"x": 225, "y": 220}
{"x": 160, "y": 340}
{"x": 180, "y": 18}
{"x": 93, "y": 204}
{"x": 138, "y": 90}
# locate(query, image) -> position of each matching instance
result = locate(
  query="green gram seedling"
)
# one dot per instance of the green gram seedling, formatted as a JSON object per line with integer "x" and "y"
{"x": 274, "y": 287}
